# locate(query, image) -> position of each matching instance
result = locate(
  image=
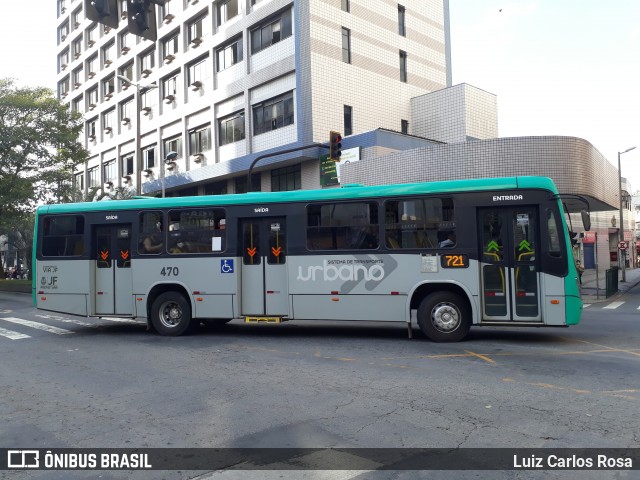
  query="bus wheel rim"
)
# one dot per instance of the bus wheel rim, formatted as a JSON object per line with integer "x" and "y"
{"x": 170, "y": 314}
{"x": 445, "y": 317}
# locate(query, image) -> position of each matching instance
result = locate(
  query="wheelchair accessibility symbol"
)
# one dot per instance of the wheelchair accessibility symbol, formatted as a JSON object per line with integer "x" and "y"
{"x": 226, "y": 265}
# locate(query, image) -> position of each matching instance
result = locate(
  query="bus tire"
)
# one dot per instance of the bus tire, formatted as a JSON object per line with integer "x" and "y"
{"x": 444, "y": 317}
{"x": 171, "y": 314}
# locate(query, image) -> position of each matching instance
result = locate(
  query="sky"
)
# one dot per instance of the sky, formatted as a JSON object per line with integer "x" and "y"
{"x": 557, "y": 67}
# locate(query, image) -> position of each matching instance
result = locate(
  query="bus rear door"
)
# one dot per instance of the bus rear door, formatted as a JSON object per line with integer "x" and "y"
{"x": 264, "y": 268}
{"x": 113, "y": 282}
{"x": 509, "y": 276}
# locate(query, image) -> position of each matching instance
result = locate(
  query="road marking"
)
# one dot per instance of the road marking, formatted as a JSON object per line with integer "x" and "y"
{"x": 36, "y": 325}
{"x": 586, "y": 305}
{"x": 12, "y": 335}
{"x": 483, "y": 357}
{"x": 613, "y": 305}
{"x": 68, "y": 320}
{"x": 125, "y": 320}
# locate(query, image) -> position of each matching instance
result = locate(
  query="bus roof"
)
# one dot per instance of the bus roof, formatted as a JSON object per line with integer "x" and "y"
{"x": 352, "y": 192}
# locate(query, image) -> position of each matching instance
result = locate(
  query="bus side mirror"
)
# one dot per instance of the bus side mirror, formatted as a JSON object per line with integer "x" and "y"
{"x": 586, "y": 220}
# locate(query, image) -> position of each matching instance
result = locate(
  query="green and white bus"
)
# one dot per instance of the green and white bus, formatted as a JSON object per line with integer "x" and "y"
{"x": 455, "y": 254}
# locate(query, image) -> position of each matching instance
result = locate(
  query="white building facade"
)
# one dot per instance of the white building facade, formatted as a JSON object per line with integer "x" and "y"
{"x": 229, "y": 80}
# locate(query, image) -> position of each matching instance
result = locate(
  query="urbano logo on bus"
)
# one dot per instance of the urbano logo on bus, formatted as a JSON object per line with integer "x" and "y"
{"x": 345, "y": 270}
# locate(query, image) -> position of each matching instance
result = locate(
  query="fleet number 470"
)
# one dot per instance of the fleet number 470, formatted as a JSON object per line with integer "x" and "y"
{"x": 169, "y": 271}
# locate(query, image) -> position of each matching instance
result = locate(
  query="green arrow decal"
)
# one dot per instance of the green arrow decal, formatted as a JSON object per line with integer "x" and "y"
{"x": 493, "y": 245}
{"x": 524, "y": 245}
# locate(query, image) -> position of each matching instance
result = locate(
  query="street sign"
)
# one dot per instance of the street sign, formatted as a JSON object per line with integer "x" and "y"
{"x": 623, "y": 245}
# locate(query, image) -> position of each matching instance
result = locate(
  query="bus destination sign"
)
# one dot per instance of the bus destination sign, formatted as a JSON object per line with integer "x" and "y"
{"x": 454, "y": 260}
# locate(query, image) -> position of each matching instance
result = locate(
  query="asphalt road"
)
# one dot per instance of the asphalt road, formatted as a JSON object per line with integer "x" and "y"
{"x": 76, "y": 382}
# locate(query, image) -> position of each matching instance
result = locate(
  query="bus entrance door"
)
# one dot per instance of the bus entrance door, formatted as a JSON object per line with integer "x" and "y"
{"x": 510, "y": 284}
{"x": 113, "y": 284}
{"x": 265, "y": 283}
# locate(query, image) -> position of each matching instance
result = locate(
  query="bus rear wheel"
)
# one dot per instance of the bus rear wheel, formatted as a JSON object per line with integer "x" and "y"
{"x": 444, "y": 317}
{"x": 171, "y": 314}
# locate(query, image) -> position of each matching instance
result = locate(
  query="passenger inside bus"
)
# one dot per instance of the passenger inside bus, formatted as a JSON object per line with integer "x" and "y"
{"x": 450, "y": 241}
{"x": 154, "y": 242}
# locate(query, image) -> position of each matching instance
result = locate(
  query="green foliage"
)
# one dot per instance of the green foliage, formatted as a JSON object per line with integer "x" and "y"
{"x": 39, "y": 150}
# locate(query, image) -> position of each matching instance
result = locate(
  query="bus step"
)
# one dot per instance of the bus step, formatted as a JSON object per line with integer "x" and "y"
{"x": 264, "y": 319}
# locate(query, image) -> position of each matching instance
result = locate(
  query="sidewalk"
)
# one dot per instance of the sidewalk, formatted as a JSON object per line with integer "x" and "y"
{"x": 591, "y": 293}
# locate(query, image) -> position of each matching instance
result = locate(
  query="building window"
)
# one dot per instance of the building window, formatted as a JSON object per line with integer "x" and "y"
{"x": 170, "y": 86}
{"x": 126, "y": 164}
{"x": 147, "y": 62}
{"x": 108, "y": 119}
{"x": 76, "y": 105}
{"x": 77, "y": 77}
{"x": 125, "y": 42}
{"x": 63, "y": 32}
{"x": 78, "y": 181}
{"x": 196, "y": 31}
{"x": 91, "y": 129}
{"x": 91, "y": 36}
{"x": 92, "y": 98}
{"x": 149, "y": 99}
{"x": 346, "y": 45}
{"x": 402, "y": 29}
{"x": 229, "y": 55}
{"x": 403, "y": 66}
{"x": 170, "y": 46}
{"x": 348, "y": 120}
{"x": 63, "y": 59}
{"x": 199, "y": 71}
{"x": 216, "y": 188}
{"x": 241, "y": 183}
{"x": 127, "y": 71}
{"x": 404, "y": 126}
{"x": 286, "y": 178}
{"x": 108, "y": 54}
{"x": 149, "y": 157}
{"x": 273, "y": 114}
{"x": 231, "y": 128}
{"x": 227, "y": 9}
{"x": 109, "y": 171}
{"x": 92, "y": 66}
{"x": 108, "y": 86}
{"x": 76, "y": 17}
{"x": 76, "y": 47}
{"x": 125, "y": 110}
{"x": 199, "y": 140}
{"x": 346, "y": 5}
{"x": 92, "y": 174}
{"x": 271, "y": 32}
{"x": 173, "y": 145}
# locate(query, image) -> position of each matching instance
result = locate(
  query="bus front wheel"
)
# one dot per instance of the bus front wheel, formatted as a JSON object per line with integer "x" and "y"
{"x": 171, "y": 314}
{"x": 444, "y": 317}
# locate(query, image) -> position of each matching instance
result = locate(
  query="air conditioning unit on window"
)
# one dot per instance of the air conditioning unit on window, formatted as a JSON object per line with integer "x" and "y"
{"x": 123, "y": 15}
{"x": 64, "y": 66}
{"x": 125, "y": 50}
{"x": 107, "y": 63}
{"x": 193, "y": 2}
{"x": 92, "y": 106}
{"x": 145, "y": 73}
{"x": 126, "y": 179}
{"x": 146, "y": 110}
{"x": 91, "y": 43}
{"x": 76, "y": 55}
{"x": 108, "y": 185}
{"x": 169, "y": 58}
{"x": 108, "y": 96}
{"x": 147, "y": 171}
{"x": 91, "y": 74}
{"x": 63, "y": 37}
{"x": 196, "y": 41}
{"x": 169, "y": 99}
{"x": 197, "y": 85}
{"x": 107, "y": 29}
{"x": 108, "y": 130}
{"x": 125, "y": 121}
{"x": 168, "y": 17}
{"x": 197, "y": 157}
{"x": 92, "y": 138}
{"x": 171, "y": 165}
{"x": 77, "y": 85}
{"x": 76, "y": 25}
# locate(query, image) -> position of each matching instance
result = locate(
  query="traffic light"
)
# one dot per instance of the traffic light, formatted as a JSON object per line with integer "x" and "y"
{"x": 141, "y": 18}
{"x": 335, "y": 146}
{"x": 102, "y": 11}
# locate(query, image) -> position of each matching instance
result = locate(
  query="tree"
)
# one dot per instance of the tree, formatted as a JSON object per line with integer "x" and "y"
{"x": 39, "y": 150}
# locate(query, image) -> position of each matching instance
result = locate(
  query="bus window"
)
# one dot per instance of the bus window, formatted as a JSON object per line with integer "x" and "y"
{"x": 419, "y": 223}
{"x": 196, "y": 231}
{"x": 151, "y": 237}
{"x": 342, "y": 226}
{"x": 63, "y": 236}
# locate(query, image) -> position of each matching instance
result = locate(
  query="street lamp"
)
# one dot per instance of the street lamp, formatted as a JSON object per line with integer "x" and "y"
{"x": 621, "y": 229}
{"x": 140, "y": 89}
{"x": 169, "y": 158}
